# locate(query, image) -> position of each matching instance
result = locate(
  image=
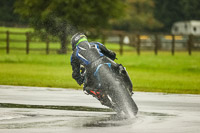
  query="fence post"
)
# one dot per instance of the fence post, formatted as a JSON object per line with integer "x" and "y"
{"x": 27, "y": 42}
{"x": 190, "y": 42}
{"x": 47, "y": 45}
{"x": 121, "y": 44}
{"x": 7, "y": 42}
{"x": 138, "y": 45}
{"x": 156, "y": 45}
{"x": 173, "y": 44}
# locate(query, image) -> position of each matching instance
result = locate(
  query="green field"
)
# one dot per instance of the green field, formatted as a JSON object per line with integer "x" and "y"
{"x": 161, "y": 73}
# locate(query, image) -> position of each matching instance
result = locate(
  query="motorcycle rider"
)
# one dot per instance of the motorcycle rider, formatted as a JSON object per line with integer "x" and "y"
{"x": 84, "y": 54}
{"x": 90, "y": 55}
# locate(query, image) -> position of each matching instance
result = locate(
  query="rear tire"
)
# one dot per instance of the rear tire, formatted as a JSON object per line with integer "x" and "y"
{"x": 116, "y": 89}
{"x": 124, "y": 104}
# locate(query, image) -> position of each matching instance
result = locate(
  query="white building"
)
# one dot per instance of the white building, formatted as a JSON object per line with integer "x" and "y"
{"x": 186, "y": 27}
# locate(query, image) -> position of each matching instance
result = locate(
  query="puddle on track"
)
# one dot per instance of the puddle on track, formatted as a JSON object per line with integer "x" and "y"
{"x": 18, "y": 116}
{"x": 52, "y": 110}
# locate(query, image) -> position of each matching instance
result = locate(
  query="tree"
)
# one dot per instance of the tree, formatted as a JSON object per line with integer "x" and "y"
{"x": 139, "y": 16}
{"x": 190, "y": 9}
{"x": 63, "y": 17}
{"x": 8, "y": 17}
{"x": 170, "y": 11}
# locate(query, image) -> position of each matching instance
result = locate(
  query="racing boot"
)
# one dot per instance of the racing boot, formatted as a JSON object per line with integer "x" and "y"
{"x": 87, "y": 90}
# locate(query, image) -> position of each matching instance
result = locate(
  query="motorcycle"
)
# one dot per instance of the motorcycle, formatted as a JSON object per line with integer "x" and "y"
{"x": 113, "y": 87}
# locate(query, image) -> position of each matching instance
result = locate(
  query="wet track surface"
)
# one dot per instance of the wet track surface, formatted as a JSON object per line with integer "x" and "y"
{"x": 56, "y": 110}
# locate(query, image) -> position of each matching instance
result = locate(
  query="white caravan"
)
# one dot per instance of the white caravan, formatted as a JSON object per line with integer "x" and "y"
{"x": 186, "y": 27}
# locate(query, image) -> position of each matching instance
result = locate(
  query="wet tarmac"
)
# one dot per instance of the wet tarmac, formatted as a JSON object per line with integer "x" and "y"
{"x": 57, "y": 110}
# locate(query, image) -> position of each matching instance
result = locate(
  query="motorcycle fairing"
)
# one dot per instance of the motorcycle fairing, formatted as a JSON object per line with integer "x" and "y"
{"x": 97, "y": 70}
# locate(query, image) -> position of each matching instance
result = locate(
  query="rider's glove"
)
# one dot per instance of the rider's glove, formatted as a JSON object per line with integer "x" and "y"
{"x": 80, "y": 80}
{"x": 113, "y": 56}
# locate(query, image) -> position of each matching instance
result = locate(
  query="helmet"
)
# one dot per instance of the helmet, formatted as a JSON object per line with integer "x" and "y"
{"x": 76, "y": 38}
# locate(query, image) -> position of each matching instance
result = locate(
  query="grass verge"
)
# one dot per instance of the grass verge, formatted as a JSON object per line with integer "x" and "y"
{"x": 150, "y": 73}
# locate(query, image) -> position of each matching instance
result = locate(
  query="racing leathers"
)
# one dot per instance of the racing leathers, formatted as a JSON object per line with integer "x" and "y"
{"x": 85, "y": 54}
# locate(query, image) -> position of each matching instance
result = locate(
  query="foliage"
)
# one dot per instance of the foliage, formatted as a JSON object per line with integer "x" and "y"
{"x": 63, "y": 17}
{"x": 190, "y": 9}
{"x": 139, "y": 16}
{"x": 8, "y": 17}
{"x": 168, "y": 12}
{"x": 59, "y": 16}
